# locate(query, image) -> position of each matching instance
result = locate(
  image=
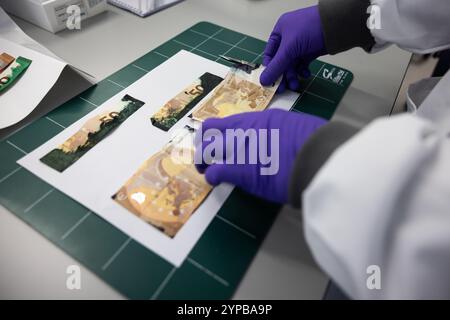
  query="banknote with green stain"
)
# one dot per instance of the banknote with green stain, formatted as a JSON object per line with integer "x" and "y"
{"x": 183, "y": 102}
{"x": 12, "y": 72}
{"x": 91, "y": 133}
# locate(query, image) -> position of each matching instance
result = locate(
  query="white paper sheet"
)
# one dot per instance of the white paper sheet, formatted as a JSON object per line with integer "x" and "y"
{"x": 24, "y": 95}
{"x": 99, "y": 174}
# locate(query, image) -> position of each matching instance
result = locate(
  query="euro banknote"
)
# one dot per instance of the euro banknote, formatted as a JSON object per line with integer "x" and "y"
{"x": 13, "y": 72}
{"x": 183, "y": 102}
{"x": 239, "y": 92}
{"x": 91, "y": 133}
{"x": 167, "y": 189}
{"x": 5, "y": 61}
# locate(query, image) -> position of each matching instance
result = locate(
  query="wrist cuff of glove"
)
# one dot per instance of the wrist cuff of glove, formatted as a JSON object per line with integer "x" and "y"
{"x": 344, "y": 24}
{"x": 314, "y": 153}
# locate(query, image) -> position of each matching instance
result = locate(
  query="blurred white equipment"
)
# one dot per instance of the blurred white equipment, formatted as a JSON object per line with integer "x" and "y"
{"x": 52, "y": 15}
{"x": 143, "y": 8}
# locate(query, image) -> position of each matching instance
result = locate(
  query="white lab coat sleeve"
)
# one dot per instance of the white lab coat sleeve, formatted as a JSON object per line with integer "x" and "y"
{"x": 383, "y": 200}
{"x": 419, "y": 26}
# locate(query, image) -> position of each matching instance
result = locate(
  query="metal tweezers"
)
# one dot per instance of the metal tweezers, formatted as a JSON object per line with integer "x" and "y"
{"x": 241, "y": 64}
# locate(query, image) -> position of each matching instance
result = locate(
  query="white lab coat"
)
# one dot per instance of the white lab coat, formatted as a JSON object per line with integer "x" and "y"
{"x": 383, "y": 198}
{"x": 420, "y": 26}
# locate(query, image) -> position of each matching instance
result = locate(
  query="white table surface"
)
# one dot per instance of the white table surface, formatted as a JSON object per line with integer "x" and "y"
{"x": 33, "y": 268}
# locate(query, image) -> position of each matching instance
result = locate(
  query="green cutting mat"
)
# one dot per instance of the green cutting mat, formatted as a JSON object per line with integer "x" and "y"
{"x": 219, "y": 260}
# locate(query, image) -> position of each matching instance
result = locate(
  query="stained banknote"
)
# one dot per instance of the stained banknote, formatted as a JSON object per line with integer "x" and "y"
{"x": 167, "y": 189}
{"x": 5, "y": 61}
{"x": 239, "y": 92}
{"x": 92, "y": 132}
{"x": 13, "y": 71}
{"x": 183, "y": 102}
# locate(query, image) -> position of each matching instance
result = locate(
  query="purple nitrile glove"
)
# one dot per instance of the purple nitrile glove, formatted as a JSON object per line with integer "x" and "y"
{"x": 296, "y": 40}
{"x": 286, "y": 134}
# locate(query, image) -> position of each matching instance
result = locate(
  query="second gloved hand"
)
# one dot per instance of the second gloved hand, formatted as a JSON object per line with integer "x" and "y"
{"x": 225, "y": 158}
{"x": 295, "y": 41}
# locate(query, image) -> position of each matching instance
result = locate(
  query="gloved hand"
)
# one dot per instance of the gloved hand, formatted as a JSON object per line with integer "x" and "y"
{"x": 296, "y": 40}
{"x": 293, "y": 130}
